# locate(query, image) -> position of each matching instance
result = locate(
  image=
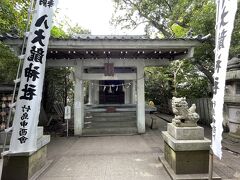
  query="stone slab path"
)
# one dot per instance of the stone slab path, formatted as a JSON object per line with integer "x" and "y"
{"x": 104, "y": 158}
{"x": 124, "y": 157}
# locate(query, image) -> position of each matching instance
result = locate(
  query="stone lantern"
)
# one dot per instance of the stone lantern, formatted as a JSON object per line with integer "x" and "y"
{"x": 232, "y": 97}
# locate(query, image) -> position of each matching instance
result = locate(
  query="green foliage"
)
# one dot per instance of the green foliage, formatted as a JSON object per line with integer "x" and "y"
{"x": 182, "y": 18}
{"x": 77, "y": 30}
{"x": 72, "y": 31}
{"x": 57, "y": 32}
{"x": 13, "y": 19}
{"x": 8, "y": 64}
{"x": 235, "y": 45}
{"x": 180, "y": 78}
{"x": 66, "y": 29}
{"x": 13, "y": 16}
{"x": 158, "y": 84}
{"x": 164, "y": 17}
{"x": 58, "y": 87}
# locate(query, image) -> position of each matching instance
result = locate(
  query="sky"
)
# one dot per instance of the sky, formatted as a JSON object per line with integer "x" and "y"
{"x": 94, "y": 15}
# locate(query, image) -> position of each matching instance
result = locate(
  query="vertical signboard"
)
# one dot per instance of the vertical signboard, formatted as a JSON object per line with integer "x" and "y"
{"x": 24, "y": 136}
{"x": 226, "y": 10}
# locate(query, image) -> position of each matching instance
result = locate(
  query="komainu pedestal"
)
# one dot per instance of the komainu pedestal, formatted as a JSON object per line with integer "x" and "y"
{"x": 186, "y": 150}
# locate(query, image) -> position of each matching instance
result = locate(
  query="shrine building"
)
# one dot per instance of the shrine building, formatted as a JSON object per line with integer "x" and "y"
{"x": 113, "y": 66}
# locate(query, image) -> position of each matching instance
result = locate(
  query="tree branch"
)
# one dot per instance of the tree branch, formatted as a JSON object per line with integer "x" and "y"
{"x": 157, "y": 25}
{"x": 170, "y": 8}
{"x": 206, "y": 72}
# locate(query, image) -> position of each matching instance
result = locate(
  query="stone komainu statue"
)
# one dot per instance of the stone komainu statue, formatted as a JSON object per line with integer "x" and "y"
{"x": 184, "y": 116}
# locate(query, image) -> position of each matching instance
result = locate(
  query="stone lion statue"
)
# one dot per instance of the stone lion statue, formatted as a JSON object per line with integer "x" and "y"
{"x": 184, "y": 116}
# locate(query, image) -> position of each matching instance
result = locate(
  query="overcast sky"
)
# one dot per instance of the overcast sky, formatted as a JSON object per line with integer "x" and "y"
{"x": 93, "y": 15}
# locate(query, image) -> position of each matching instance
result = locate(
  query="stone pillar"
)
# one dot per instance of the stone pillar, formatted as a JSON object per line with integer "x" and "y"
{"x": 133, "y": 92}
{"x": 140, "y": 100}
{"x": 90, "y": 93}
{"x": 127, "y": 92}
{"x": 96, "y": 92}
{"x": 90, "y": 98}
{"x": 78, "y": 102}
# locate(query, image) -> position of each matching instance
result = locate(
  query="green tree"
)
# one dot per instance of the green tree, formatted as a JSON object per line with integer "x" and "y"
{"x": 235, "y": 45}
{"x": 180, "y": 78}
{"x": 175, "y": 18}
{"x": 164, "y": 17}
{"x": 13, "y": 16}
{"x": 58, "y": 87}
{"x": 183, "y": 18}
{"x": 13, "y": 19}
{"x": 67, "y": 29}
{"x": 8, "y": 64}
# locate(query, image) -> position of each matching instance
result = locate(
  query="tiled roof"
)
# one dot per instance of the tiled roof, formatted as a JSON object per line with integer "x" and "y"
{"x": 89, "y": 37}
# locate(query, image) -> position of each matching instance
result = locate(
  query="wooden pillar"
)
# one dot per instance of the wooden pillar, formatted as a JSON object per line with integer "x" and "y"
{"x": 78, "y": 102}
{"x": 140, "y": 100}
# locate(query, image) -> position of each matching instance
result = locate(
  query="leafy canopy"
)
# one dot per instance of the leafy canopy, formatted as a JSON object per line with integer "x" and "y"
{"x": 178, "y": 18}
{"x": 165, "y": 18}
{"x": 13, "y": 16}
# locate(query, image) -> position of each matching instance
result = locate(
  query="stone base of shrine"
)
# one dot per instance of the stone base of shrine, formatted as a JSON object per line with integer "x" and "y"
{"x": 175, "y": 176}
{"x": 26, "y": 165}
{"x": 186, "y": 152}
{"x": 187, "y": 162}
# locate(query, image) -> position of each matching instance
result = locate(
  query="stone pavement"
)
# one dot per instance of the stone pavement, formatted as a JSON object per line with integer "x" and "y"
{"x": 124, "y": 157}
{"x": 107, "y": 158}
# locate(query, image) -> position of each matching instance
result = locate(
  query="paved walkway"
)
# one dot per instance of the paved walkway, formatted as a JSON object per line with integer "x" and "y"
{"x": 107, "y": 158}
{"x": 125, "y": 157}
{"x": 122, "y": 157}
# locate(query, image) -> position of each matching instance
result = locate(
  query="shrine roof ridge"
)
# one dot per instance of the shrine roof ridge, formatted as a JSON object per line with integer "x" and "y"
{"x": 88, "y": 37}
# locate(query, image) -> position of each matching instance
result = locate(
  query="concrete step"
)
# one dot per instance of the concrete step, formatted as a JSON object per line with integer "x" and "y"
{"x": 114, "y": 123}
{"x": 110, "y": 119}
{"x": 110, "y": 131}
{"x": 113, "y": 114}
{"x": 110, "y": 124}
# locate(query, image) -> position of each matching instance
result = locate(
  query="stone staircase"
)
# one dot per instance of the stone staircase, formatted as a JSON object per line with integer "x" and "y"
{"x": 110, "y": 123}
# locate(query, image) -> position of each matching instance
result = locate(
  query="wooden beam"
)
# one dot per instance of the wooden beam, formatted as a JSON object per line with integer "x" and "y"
{"x": 100, "y": 62}
{"x": 101, "y": 76}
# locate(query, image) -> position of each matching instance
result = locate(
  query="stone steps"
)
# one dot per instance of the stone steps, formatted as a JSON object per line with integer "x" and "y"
{"x": 110, "y": 119}
{"x": 113, "y": 114}
{"x": 110, "y": 124}
{"x": 115, "y": 123}
{"x": 110, "y": 131}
